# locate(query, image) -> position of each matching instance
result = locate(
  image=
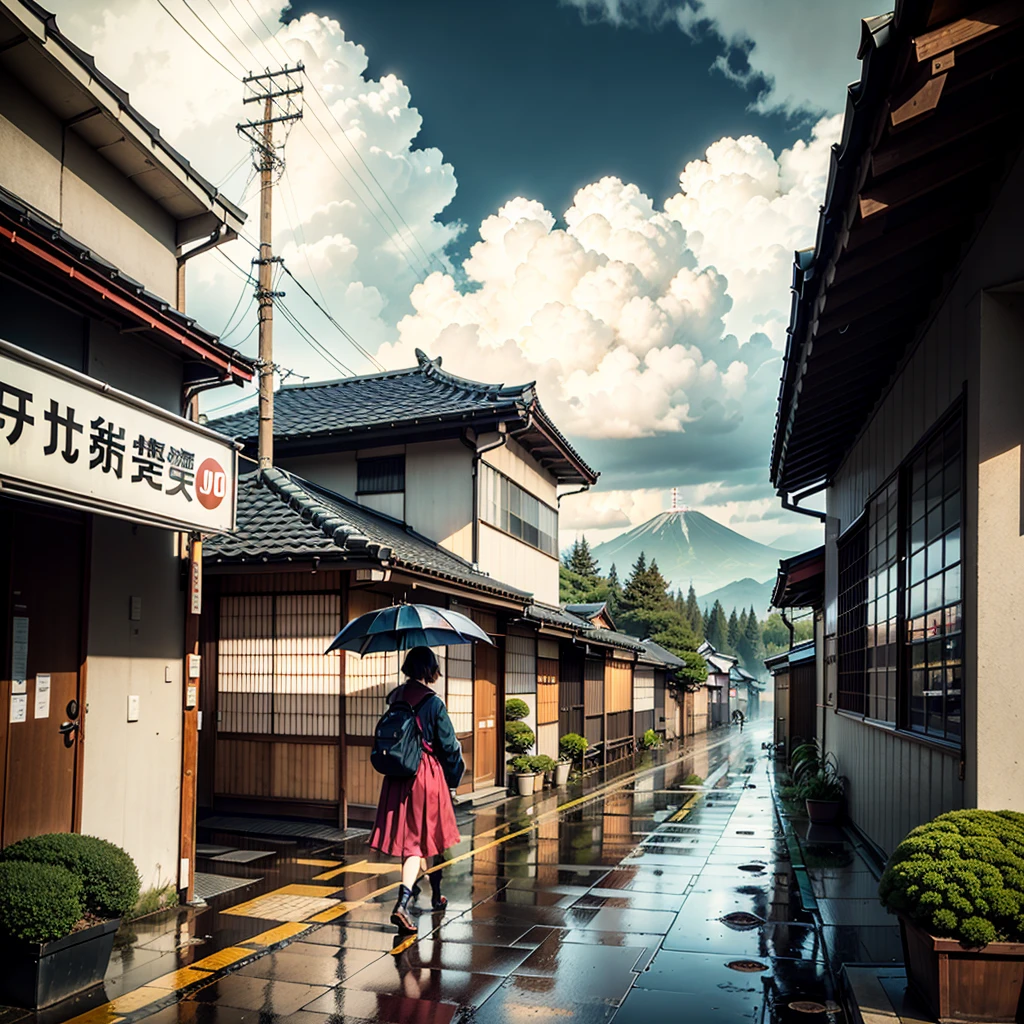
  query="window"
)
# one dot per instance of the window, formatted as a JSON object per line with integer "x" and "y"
{"x": 383, "y": 475}
{"x": 934, "y": 609}
{"x": 900, "y": 619}
{"x": 507, "y": 506}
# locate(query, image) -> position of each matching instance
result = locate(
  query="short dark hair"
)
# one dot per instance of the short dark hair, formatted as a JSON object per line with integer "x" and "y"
{"x": 421, "y": 663}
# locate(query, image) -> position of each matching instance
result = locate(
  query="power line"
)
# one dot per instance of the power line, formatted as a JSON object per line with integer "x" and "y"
{"x": 223, "y": 46}
{"x": 193, "y": 38}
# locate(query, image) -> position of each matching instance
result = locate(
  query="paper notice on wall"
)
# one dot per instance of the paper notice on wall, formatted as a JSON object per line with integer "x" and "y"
{"x": 42, "y": 695}
{"x": 19, "y": 707}
{"x": 19, "y": 655}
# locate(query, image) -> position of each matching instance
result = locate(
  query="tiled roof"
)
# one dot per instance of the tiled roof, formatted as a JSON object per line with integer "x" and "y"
{"x": 587, "y": 611}
{"x": 551, "y": 616}
{"x": 657, "y": 653}
{"x": 283, "y": 518}
{"x": 621, "y": 640}
{"x": 414, "y": 398}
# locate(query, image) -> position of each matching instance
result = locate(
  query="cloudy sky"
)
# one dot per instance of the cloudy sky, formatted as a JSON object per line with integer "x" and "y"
{"x": 601, "y": 195}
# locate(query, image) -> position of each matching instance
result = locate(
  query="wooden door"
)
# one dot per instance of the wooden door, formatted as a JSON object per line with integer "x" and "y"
{"x": 485, "y": 717}
{"x": 570, "y": 693}
{"x": 43, "y": 623}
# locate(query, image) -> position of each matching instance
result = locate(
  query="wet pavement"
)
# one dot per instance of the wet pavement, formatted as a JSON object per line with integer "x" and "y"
{"x": 629, "y": 898}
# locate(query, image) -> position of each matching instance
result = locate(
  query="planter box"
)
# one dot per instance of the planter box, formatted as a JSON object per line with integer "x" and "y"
{"x": 562, "y": 773}
{"x": 824, "y": 812}
{"x": 525, "y": 782}
{"x": 37, "y": 975}
{"x": 960, "y": 984}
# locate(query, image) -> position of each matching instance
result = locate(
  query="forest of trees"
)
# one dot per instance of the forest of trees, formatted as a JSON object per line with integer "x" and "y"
{"x": 643, "y": 606}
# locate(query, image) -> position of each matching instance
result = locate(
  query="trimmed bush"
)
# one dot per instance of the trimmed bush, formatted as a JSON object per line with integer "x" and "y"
{"x": 693, "y": 780}
{"x": 521, "y": 765}
{"x": 110, "y": 880}
{"x": 542, "y": 763}
{"x": 572, "y": 746}
{"x": 518, "y": 737}
{"x": 961, "y": 876}
{"x": 39, "y": 902}
{"x": 516, "y": 710}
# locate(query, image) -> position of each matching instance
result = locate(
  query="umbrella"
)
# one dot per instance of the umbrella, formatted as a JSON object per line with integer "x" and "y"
{"x": 407, "y": 625}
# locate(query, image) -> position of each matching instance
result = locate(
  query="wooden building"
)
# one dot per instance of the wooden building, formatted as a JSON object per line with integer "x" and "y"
{"x": 717, "y": 686}
{"x": 900, "y": 408}
{"x": 101, "y": 477}
{"x": 794, "y": 677}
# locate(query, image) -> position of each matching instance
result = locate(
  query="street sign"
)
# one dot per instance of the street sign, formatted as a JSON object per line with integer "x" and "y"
{"x": 72, "y": 440}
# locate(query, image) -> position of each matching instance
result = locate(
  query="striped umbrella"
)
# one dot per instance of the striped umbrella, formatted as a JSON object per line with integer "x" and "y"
{"x": 407, "y": 625}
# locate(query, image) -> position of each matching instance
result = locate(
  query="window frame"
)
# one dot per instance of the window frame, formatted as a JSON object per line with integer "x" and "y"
{"x": 858, "y": 533}
{"x": 361, "y": 491}
{"x": 519, "y": 501}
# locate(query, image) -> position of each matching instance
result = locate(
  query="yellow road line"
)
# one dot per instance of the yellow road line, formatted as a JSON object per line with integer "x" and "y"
{"x": 223, "y": 958}
{"x": 313, "y": 863}
{"x": 288, "y": 930}
{"x": 686, "y": 808}
{"x": 180, "y": 978}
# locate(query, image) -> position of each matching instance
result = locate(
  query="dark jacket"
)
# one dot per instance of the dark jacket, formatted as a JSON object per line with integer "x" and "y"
{"x": 437, "y": 727}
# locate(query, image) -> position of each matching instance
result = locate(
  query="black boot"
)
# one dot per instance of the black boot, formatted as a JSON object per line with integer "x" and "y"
{"x": 400, "y": 915}
{"x": 437, "y": 901}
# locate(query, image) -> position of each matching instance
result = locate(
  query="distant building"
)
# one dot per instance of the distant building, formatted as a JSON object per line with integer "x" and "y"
{"x": 900, "y": 405}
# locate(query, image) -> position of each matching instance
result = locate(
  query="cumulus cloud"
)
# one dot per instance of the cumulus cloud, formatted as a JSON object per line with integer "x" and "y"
{"x": 639, "y": 322}
{"x": 798, "y": 56}
{"x": 334, "y": 225}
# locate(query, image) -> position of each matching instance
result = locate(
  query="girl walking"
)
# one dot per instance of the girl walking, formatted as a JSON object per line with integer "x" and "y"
{"x": 415, "y": 817}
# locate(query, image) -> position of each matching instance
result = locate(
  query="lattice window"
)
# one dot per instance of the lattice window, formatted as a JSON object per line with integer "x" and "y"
{"x": 520, "y": 664}
{"x": 618, "y": 686}
{"x": 643, "y": 689}
{"x": 852, "y": 632}
{"x": 460, "y": 687}
{"x": 547, "y": 690}
{"x": 934, "y": 608}
{"x": 272, "y": 675}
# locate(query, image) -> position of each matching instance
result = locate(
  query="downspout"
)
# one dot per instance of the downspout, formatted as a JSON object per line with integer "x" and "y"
{"x": 789, "y": 625}
{"x": 793, "y": 505}
{"x": 477, "y": 453}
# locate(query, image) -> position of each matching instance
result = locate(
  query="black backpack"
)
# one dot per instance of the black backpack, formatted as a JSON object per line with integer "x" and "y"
{"x": 398, "y": 741}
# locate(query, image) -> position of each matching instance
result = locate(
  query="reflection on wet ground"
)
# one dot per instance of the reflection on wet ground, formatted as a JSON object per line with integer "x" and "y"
{"x": 653, "y": 901}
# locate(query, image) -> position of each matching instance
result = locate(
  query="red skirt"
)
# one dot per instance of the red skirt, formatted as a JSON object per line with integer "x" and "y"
{"x": 415, "y": 817}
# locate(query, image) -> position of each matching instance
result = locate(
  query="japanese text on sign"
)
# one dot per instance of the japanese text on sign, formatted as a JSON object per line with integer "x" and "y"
{"x": 63, "y": 432}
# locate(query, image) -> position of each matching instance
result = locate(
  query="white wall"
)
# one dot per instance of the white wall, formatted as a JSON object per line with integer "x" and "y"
{"x": 517, "y": 464}
{"x": 439, "y": 494}
{"x": 518, "y": 564}
{"x": 88, "y": 196}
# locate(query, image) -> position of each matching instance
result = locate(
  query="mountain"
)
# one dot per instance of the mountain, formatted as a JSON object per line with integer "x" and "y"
{"x": 741, "y": 594}
{"x": 690, "y": 546}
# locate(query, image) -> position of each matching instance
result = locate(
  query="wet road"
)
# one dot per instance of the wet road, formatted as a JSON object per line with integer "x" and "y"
{"x": 646, "y": 900}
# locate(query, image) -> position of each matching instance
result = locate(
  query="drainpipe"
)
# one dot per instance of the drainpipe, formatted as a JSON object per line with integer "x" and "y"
{"x": 477, "y": 453}
{"x": 569, "y": 494}
{"x": 789, "y": 625}
{"x": 793, "y": 505}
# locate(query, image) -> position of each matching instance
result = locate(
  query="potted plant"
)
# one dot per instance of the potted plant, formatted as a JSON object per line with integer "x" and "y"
{"x": 62, "y": 898}
{"x": 516, "y": 709}
{"x": 562, "y": 767}
{"x": 526, "y": 775}
{"x": 817, "y": 782}
{"x": 571, "y": 748}
{"x": 519, "y": 738}
{"x": 957, "y": 886}
{"x": 651, "y": 740}
{"x": 543, "y": 764}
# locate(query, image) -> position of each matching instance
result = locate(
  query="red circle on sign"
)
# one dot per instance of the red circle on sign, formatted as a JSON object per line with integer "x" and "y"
{"x": 211, "y": 484}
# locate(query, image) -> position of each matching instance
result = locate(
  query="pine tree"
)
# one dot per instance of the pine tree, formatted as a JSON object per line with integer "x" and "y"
{"x": 693, "y": 614}
{"x": 743, "y": 621}
{"x": 732, "y": 636}
{"x": 614, "y": 592}
{"x": 582, "y": 562}
{"x": 751, "y": 648}
{"x": 717, "y": 632}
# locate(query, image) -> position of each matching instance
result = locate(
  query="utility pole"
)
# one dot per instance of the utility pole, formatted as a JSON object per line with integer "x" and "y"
{"x": 279, "y": 92}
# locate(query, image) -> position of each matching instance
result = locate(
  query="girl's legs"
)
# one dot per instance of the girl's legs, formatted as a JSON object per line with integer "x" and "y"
{"x": 437, "y": 900}
{"x": 410, "y": 869}
{"x": 400, "y": 915}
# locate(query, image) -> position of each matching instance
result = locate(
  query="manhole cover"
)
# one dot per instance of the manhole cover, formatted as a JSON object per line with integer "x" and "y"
{"x": 752, "y": 867}
{"x": 806, "y": 1006}
{"x": 744, "y": 831}
{"x": 741, "y": 919}
{"x": 749, "y": 967}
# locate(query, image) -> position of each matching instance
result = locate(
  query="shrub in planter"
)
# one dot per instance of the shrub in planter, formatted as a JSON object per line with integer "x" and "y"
{"x": 519, "y": 737}
{"x": 693, "y": 780}
{"x": 572, "y": 746}
{"x": 543, "y": 763}
{"x": 522, "y": 765}
{"x": 516, "y": 710}
{"x": 961, "y": 876}
{"x": 957, "y": 884}
{"x": 110, "y": 880}
{"x": 38, "y": 902}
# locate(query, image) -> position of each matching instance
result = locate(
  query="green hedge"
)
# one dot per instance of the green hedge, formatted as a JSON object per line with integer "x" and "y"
{"x": 519, "y": 737}
{"x": 39, "y": 902}
{"x": 110, "y": 880}
{"x": 516, "y": 709}
{"x": 961, "y": 876}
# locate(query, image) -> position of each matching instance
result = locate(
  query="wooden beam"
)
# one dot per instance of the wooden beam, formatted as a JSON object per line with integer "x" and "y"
{"x": 922, "y": 99}
{"x": 900, "y": 190}
{"x": 934, "y": 134}
{"x": 895, "y": 244}
{"x": 969, "y": 30}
